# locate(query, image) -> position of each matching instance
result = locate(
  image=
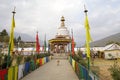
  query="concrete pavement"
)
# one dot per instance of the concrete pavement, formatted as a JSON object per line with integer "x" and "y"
{"x": 50, "y": 71}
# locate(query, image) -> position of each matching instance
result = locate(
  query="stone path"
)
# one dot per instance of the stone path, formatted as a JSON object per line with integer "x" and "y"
{"x": 50, "y": 71}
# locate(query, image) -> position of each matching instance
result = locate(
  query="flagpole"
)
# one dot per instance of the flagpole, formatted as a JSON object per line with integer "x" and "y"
{"x": 45, "y": 44}
{"x": 87, "y": 41}
{"x": 10, "y": 41}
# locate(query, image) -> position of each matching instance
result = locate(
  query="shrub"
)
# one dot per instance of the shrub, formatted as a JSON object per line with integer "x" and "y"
{"x": 115, "y": 71}
{"x": 82, "y": 62}
{"x": 27, "y": 58}
{"x": 42, "y": 55}
{"x": 3, "y": 61}
{"x": 80, "y": 54}
{"x": 19, "y": 59}
{"x": 78, "y": 57}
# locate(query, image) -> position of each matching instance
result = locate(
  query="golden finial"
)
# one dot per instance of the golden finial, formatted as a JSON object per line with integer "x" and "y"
{"x": 62, "y": 18}
{"x": 85, "y": 9}
{"x": 14, "y": 11}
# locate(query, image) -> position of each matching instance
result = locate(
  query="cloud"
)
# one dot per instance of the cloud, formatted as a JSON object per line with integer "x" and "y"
{"x": 44, "y": 16}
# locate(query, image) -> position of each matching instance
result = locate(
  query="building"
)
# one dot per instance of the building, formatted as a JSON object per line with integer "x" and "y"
{"x": 29, "y": 43}
{"x": 61, "y": 42}
{"x": 112, "y": 51}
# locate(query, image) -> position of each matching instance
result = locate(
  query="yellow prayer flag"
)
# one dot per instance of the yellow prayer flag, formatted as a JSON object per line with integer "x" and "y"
{"x": 88, "y": 37}
{"x": 11, "y": 41}
{"x": 73, "y": 64}
{"x": 38, "y": 61}
{"x": 10, "y": 73}
{"x": 16, "y": 73}
{"x": 87, "y": 27}
{"x": 42, "y": 60}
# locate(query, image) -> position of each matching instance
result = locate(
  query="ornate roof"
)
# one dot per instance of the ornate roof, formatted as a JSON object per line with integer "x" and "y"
{"x": 112, "y": 47}
{"x": 59, "y": 40}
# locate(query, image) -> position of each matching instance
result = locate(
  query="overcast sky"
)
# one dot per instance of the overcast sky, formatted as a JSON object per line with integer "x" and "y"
{"x": 45, "y": 15}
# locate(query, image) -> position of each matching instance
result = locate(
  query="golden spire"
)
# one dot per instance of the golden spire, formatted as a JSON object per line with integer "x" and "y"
{"x": 14, "y": 11}
{"x": 62, "y": 22}
{"x": 85, "y": 10}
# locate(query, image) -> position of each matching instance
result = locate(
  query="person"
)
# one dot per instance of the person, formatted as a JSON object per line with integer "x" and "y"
{"x": 58, "y": 62}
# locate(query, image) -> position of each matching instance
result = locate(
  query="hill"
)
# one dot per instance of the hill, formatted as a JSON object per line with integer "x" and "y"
{"x": 24, "y": 37}
{"x": 103, "y": 42}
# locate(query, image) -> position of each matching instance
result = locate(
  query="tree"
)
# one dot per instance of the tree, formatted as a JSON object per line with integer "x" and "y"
{"x": 15, "y": 41}
{"x": 4, "y": 37}
{"x": 4, "y": 33}
{"x": 1, "y": 38}
{"x": 80, "y": 54}
{"x": 19, "y": 39}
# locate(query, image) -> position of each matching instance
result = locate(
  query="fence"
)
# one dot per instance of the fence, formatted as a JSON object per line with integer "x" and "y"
{"x": 18, "y": 72}
{"x": 81, "y": 71}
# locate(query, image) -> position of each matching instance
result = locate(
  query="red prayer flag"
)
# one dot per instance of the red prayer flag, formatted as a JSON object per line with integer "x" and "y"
{"x": 37, "y": 43}
{"x": 73, "y": 45}
{"x": 2, "y": 74}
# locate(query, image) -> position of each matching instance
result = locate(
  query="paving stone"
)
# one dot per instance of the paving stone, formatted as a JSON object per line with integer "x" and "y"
{"x": 50, "y": 71}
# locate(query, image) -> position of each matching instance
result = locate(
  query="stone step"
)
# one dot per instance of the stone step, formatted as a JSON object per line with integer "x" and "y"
{"x": 56, "y": 57}
{"x": 59, "y": 56}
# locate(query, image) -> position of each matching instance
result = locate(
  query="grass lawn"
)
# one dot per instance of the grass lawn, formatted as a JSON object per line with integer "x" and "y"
{"x": 101, "y": 66}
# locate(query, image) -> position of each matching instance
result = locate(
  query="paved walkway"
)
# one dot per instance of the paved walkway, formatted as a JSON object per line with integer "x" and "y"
{"x": 50, "y": 71}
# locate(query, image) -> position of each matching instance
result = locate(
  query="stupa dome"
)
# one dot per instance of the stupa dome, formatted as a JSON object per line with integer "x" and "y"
{"x": 62, "y": 30}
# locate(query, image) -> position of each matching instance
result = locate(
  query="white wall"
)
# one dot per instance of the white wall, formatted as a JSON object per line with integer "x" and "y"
{"x": 115, "y": 54}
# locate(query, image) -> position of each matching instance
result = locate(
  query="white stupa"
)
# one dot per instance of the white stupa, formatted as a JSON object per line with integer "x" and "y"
{"x": 62, "y": 30}
{"x": 62, "y": 40}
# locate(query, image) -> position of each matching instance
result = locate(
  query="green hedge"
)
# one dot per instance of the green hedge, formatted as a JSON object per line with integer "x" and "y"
{"x": 78, "y": 58}
{"x": 42, "y": 55}
{"x": 20, "y": 58}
